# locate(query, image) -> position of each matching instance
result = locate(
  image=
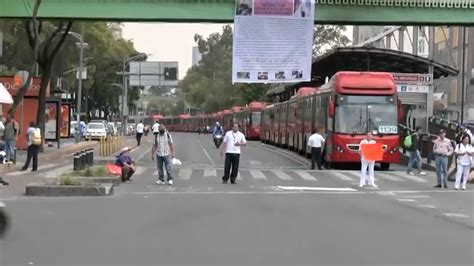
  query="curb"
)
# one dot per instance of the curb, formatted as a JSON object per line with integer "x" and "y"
{"x": 45, "y": 190}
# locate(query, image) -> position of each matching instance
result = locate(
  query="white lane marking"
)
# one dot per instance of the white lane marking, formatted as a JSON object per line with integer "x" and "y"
{"x": 257, "y": 174}
{"x": 342, "y": 176}
{"x": 210, "y": 172}
{"x": 305, "y": 175}
{"x": 460, "y": 215}
{"x": 207, "y": 154}
{"x": 139, "y": 170}
{"x": 185, "y": 173}
{"x": 406, "y": 200}
{"x": 427, "y": 206}
{"x": 411, "y": 177}
{"x": 416, "y": 196}
{"x": 143, "y": 154}
{"x": 282, "y": 175}
{"x": 386, "y": 193}
{"x": 239, "y": 177}
{"x": 245, "y": 192}
{"x": 389, "y": 177}
{"x": 315, "y": 188}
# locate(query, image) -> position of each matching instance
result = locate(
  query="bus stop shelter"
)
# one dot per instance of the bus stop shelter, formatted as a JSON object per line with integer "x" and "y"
{"x": 417, "y": 105}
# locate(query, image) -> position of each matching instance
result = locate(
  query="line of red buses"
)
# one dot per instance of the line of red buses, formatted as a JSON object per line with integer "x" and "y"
{"x": 344, "y": 110}
{"x": 249, "y": 117}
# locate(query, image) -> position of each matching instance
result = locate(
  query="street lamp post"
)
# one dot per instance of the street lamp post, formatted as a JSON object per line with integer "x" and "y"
{"x": 124, "y": 108}
{"x": 79, "y": 85}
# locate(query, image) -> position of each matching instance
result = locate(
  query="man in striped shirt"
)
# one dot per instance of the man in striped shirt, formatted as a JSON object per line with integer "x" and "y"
{"x": 163, "y": 151}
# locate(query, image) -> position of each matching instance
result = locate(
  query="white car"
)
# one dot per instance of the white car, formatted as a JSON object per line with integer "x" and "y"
{"x": 72, "y": 128}
{"x": 96, "y": 131}
{"x": 113, "y": 128}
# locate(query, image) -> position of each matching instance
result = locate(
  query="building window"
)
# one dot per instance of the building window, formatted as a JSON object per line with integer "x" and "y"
{"x": 455, "y": 36}
{"x": 421, "y": 46}
{"x": 453, "y": 95}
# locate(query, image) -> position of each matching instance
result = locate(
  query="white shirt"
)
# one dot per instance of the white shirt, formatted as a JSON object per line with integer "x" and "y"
{"x": 231, "y": 138}
{"x": 156, "y": 128}
{"x": 140, "y": 127}
{"x": 315, "y": 141}
{"x": 464, "y": 159}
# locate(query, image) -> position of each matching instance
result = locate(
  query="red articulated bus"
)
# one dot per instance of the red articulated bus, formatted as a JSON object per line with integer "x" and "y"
{"x": 249, "y": 119}
{"x": 345, "y": 109}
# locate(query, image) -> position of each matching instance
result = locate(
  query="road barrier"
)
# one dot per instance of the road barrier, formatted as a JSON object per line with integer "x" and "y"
{"x": 109, "y": 145}
{"x": 82, "y": 159}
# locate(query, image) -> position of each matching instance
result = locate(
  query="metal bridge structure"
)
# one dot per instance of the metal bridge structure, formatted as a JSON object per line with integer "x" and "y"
{"x": 357, "y": 12}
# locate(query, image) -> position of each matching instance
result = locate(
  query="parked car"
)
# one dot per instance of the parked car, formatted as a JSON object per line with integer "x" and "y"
{"x": 96, "y": 130}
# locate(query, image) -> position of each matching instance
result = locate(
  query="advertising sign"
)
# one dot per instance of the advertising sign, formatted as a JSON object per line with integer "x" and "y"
{"x": 272, "y": 41}
{"x": 52, "y": 120}
{"x": 65, "y": 124}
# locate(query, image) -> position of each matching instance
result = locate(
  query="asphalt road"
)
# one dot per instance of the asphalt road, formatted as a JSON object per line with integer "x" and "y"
{"x": 261, "y": 220}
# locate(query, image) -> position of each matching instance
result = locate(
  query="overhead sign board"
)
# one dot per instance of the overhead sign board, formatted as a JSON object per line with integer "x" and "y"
{"x": 412, "y": 88}
{"x": 154, "y": 73}
{"x": 413, "y": 79}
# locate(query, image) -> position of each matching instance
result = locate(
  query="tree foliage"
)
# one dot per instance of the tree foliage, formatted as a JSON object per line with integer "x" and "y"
{"x": 103, "y": 59}
{"x": 208, "y": 85}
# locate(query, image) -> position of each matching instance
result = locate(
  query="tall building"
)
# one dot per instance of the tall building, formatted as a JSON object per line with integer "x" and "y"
{"x": 448, "y": 50}
{"x": 196, "y": 56}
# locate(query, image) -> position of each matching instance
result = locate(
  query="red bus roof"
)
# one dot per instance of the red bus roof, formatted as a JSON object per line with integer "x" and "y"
{"x": 305, "y": 91}
{"x": 369, "y": 83}
{"x": 184, "y": 116}
{"x": 256, "y": 106}
{"x": 226, "y": 112}
{"x": 157, "y": 117}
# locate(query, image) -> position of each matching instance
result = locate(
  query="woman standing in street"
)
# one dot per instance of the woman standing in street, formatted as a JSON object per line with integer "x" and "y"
{"x": 365, "y": 164}
{"x": 464, "y": 153}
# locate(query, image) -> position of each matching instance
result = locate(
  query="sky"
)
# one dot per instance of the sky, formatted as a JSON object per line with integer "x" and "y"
{"x": 168, "y": 41}
{"x": 171, "y": 41}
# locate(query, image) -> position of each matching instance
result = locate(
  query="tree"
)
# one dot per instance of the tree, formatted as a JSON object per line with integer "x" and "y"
{"x": 35, "y": 47}
{"x": 328, "y": 37}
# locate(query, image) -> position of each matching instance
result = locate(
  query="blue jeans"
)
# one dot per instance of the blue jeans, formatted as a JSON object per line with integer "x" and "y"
{"x": 10, "y": 149}
{"x": 442, "y": 170}
{"x": 160, "y": 160}
{"x": 414, "y": 156}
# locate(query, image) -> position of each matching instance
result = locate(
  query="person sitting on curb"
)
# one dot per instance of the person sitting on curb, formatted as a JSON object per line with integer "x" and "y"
{"x": 124, "y": 160}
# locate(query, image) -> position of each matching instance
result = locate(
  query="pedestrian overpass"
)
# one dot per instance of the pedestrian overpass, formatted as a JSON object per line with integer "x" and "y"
{"x": 395, "y": 12}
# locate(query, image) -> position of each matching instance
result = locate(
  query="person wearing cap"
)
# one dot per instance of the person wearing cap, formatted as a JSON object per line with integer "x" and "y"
{"x": 442, "y": 149}
{"x": 125, "y": 161}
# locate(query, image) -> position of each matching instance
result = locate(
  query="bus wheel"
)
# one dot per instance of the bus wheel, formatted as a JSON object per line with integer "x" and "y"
{"x": 384, "y": 166}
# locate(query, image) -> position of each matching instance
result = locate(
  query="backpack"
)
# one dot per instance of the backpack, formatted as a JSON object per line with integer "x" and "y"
{"x": 408, "y": 142}
{"x": 37, "y": 137}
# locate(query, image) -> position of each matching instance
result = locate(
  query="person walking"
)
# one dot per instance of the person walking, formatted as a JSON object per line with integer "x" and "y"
{"x": 11, "y": 133}
{"x": 139, "y": 133}
{"x": 125, "y": 161}
{"x": 316, "y": 143}
{"x": 156, "y": 129}
{"x": 464, "y": 152}
{"x": 233, "y": 140}
{"x": 163, "y": 149}
{"x": 442, "y": 149}
{"x": 414, "y": 150}
{"x": 34, "y": 141}
{"x": 365, "y": 163}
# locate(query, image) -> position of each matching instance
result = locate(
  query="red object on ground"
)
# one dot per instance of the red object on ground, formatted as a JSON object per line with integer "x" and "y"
{"x": 114, "y": 169}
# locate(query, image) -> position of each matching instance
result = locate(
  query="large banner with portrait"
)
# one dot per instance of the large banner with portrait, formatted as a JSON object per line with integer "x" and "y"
{"x": 272, "y": 41}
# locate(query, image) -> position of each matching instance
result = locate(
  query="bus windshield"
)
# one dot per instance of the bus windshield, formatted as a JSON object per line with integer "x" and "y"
{"x": 255, "y": 119}
{"x": 361, "y": 114}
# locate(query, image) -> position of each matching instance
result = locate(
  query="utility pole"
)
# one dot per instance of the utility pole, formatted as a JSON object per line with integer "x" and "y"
{"x": 79, "y": 86}
{"x": 463, "y": 73}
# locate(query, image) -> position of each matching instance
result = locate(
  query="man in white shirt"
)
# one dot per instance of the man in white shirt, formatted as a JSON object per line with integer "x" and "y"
{"x": 316, "y": 144}
{"x": 233, "y": 140}
{"x": 139, "y": 134}
{"x": 156, "y": 128}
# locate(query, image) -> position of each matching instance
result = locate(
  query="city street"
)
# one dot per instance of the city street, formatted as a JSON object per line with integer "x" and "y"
{"x": 260, "y": 220}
